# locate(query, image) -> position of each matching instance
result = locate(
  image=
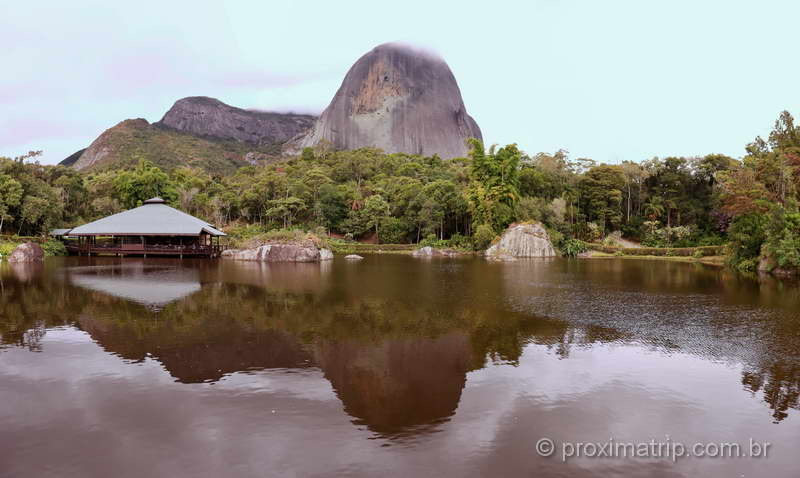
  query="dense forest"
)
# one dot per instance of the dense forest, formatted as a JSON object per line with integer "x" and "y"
{"x": 749, "y": 203}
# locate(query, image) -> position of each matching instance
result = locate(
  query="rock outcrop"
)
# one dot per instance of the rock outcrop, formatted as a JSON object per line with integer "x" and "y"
{"x": 522, "y": 240}
{"x": 211, "y": 118}
{"x": 429, "y": 251}
{"x": 400, "y": 100}
{"x": 27, "y": 252}
{"x": 280, "y": 253}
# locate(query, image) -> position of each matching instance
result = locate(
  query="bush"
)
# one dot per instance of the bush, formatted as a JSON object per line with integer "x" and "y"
{"x": 746, "y": 235}
{"x": 483, "y": 237}
{"x": 698, "y": 254}
{"x": 457, "y": 241}
{"x": 747, "y": 265}
{"x": 393, "y": 231}
{"x": 7, "y": 248}
{"x": 54, "y": 248}
{"x": 573, "y": 247}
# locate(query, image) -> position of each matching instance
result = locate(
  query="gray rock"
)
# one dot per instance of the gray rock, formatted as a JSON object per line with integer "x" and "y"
{"x": 522, "y": 240}
{"x": 429, "y": 251}
{"x": 27, "y": 252}
{"x": 276, "y": 253}
{"x": 209, "y": 117}
{"x": 400, "y": 100}
{"x": 325, "y": 255}
{"x": 353, "y": 257}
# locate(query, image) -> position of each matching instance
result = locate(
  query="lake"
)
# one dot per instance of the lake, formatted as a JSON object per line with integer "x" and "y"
{"x": 395, "y": 366}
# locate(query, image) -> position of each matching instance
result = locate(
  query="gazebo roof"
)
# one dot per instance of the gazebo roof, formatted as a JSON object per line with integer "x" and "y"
{"x": 154, "y": 218}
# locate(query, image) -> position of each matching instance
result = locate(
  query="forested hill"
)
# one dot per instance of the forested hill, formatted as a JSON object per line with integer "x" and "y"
{"x": 751, "y": 203}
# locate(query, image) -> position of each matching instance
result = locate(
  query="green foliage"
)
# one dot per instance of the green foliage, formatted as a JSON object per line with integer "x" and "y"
{"x": 494, "y": 187}
{"x": 54, "y": 248}
{"x": 746, "y": 235}
{"x": 670, "y": 203}
{"x": 133, "y": 140}
{"x": 7, "y": 248}
{"x": 393, "y": 231}
{"x": 146, "y": 181}
{"x": 572, "y": 247}
{"x": 483, "y": 237}
{"x": 783, "y": 236}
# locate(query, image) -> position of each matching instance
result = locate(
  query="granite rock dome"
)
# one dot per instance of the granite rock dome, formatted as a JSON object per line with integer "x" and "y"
{"x": 398, "y": 99}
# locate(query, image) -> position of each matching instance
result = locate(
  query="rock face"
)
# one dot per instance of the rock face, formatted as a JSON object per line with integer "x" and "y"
{"x": 397, "y": 99}
{"x": 27, "y": 252}
{"x": 522, "y": 240}
{"x": 280, "y": 253}
{"x": 209, "y": 117}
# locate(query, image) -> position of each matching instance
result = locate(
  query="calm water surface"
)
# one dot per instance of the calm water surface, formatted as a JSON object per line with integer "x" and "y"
{"x": 391, "y": 366}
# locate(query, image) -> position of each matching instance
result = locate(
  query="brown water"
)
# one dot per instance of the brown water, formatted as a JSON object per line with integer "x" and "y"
{"x": 391, "y": 366}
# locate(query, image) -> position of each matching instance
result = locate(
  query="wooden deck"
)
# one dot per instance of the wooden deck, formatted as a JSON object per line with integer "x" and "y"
{"x": 145, "y": 250}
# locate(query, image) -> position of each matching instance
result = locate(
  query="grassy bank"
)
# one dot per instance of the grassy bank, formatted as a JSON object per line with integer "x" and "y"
{"x": 710, "y": 260}
{"x": 695, "y": 252}
{"x": 346, "y": 247}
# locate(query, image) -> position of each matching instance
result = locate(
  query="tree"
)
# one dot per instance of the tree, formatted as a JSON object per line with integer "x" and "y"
{"x": 135, "y": 186}
{"x": 375, "y": 210}
{"x": 34, "y": 209}
{"x": 494, "y": 184}
{"x": 10, "y": 197}
{"x": 601, "y": 195}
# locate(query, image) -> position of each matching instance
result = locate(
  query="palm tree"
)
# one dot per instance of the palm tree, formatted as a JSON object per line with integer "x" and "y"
{"x": 654, "y": 208}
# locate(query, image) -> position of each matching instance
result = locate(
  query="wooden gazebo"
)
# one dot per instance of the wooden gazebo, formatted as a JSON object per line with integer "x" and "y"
{"x": 153, "y": 228}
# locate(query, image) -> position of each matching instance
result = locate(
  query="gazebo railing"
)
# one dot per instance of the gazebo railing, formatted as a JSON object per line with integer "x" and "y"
{"x": 176, "y": 249}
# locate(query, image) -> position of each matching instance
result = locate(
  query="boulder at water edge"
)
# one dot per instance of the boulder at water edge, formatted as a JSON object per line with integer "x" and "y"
{"x": 522, "y": 240}
{"x": 280, "y": 253}
{"x": 28, "y": 252}
{"x": 353, "y": 257}
{"x": 429, "y": 251}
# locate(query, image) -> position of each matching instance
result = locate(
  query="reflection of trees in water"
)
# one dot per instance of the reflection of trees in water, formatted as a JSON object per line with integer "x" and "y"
{"x": 397, "y": 365}
{"x": 779, "y": 383}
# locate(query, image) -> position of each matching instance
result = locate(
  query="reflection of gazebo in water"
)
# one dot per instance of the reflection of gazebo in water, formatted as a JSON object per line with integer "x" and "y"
{"x": 153, "y": 228}
{"x": 149, "y": 284}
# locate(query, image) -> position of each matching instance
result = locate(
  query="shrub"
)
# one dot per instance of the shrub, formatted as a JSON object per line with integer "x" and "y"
{"x": 483, "y": 237}
{"x": 458, "y": 241}
{"x": 746, "y": 235}
{"x": 7, "y": 248}
{"x": 619, "y": 254}
{"x": 54, "y": 248}
{"x": 747, "y": 265}
{"x": 393, "y": 231}
{"x": 573, "y": 247}
{"x": 698, "y": 254}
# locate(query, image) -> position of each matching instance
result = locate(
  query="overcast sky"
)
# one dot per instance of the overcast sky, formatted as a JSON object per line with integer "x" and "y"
{"x": 609, "y": 80}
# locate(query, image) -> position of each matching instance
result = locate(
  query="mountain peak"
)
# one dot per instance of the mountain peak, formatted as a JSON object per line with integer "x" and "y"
{"x": 400, "y": 99}
{"x": 209, "y": 117}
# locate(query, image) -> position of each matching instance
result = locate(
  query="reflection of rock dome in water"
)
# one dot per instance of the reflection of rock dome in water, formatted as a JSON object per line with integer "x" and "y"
{"x": 399, "y": 384}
